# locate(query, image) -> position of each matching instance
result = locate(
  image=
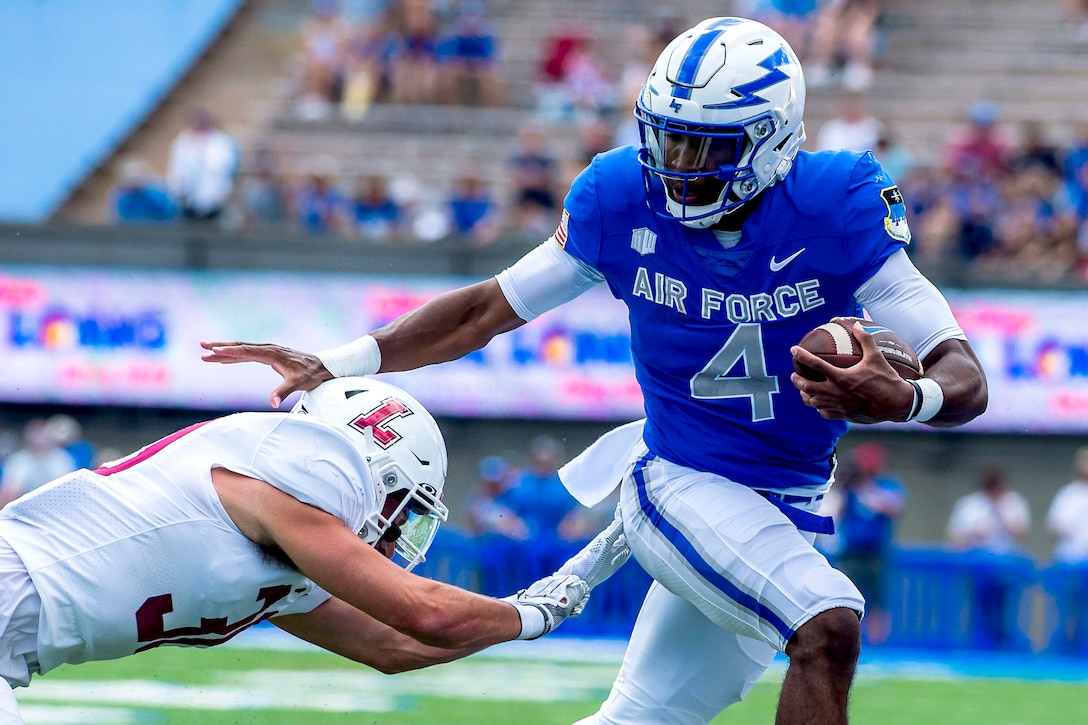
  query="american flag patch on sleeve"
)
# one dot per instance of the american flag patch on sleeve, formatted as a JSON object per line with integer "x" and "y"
{"x": 560, "y": 235}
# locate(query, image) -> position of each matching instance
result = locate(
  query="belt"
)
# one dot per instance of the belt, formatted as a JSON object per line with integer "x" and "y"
{"x": 804, "y": 520}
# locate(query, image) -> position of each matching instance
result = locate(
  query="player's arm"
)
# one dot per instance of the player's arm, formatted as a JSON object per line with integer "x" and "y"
{"x": 341, "y": 628}
{"x": 432, "y": 613}
{"x": 349, "y": 632}
{"x": 954, "y": 388}
{"x": 445, "y": 328}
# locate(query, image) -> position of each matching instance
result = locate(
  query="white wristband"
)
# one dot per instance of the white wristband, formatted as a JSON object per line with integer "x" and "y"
{"x": 533, "y": 622}
{"x": 932, "y": 399}
{"x": 360, "y": 357}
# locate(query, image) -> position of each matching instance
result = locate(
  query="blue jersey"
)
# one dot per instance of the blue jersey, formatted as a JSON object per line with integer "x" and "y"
{"x": 711, "y": 330}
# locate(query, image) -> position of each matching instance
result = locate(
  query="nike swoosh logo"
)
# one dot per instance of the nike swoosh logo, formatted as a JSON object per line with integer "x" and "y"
{"x": 777, "y": 266}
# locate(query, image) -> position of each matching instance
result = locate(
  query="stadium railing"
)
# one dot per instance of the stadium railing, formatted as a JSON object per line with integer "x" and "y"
{"x": 937, "y": 599}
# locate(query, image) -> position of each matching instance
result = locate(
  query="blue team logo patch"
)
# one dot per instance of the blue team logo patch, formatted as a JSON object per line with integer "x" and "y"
{"x": 895, "y": 224}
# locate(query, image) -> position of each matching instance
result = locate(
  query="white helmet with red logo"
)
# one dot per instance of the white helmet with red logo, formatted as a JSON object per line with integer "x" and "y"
{"x": 406, "y": 453}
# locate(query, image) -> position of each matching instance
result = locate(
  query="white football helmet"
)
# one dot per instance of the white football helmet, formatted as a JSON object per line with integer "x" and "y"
{"x": 406, "y": 453}
{"x": 720, "y": 118}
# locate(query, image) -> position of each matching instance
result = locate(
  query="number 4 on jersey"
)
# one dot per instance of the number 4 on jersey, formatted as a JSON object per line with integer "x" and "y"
{"x": 745, "y": 346}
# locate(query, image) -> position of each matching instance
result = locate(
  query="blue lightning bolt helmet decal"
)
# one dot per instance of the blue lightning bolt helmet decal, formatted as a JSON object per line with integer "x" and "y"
{"x": 748, "y": 91}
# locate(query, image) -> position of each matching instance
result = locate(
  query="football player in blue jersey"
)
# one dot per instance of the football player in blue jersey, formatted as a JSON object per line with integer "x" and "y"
{"x": 727, "y": 243}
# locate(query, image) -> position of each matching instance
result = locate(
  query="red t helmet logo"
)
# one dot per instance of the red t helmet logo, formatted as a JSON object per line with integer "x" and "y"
{"x": 377, "y": 420}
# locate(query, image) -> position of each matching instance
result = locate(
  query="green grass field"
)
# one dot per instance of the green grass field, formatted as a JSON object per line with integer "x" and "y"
{"x": 248, "y": 686}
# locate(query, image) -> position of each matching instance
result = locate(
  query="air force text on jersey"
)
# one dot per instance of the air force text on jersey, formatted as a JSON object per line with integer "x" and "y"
{"x": 784, "y": 301}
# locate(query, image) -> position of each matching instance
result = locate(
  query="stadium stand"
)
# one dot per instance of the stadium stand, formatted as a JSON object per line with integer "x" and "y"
{"x": 933, "y": 61}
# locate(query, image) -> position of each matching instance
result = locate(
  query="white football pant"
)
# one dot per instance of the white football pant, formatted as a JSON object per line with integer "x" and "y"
{"x": 734, "y": 580}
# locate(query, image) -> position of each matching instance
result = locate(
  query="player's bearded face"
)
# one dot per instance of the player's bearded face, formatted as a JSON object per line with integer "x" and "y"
{"x": 702, "y": 155}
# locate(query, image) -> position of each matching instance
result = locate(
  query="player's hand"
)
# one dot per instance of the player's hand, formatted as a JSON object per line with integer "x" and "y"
{"x": 299, "y": 370}
{"x": 870, "y": 391}
{"x": 548, "y": 602}
{"x": 602, "y": 556}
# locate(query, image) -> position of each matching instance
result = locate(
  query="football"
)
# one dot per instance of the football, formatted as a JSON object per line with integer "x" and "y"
{"x": 834, "y": 342}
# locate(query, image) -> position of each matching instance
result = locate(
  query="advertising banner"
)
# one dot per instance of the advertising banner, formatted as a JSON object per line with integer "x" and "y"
{"x": 87, "y": 336}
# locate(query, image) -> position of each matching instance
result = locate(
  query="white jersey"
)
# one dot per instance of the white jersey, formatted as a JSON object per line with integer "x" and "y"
{"x": 141, "y": 553}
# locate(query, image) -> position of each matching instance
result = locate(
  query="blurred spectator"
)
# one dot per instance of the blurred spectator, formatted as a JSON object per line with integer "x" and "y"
{"x": 263, "y": 193}
{"x": 1068, "y": 513}
{"x": 666, "y": 22}
{"x": 843, "y": 29}
{"x": 324, "y": 40}
{"x": 367, "y": 67}
{"x": 976, "y": 201}
{"x": 319, "y": 206}
{"x": 1029, "y": 243}
{"x": 534, "y": 170}
{"x": 1065, "y": 519}
{"x": 414, "y": 60}
{"x": 1035, "y": 149}
{"x": 571, "y": 79}
{"x": 468, "y": 59}
{"x": 484, "y": 514}
{"x": 992, "y": 522}
{"x": 140, "y": 196}
{"x": 1074, "y": 170}
{"x": 595, "y": 135}
{"x": 642, "y": 48}
{"x": 1073, "y": 195}
{"x": 582, "y": 524}
{"x": 853, "y": 127}
{"x": 977, "y": 158}
{"x": 1076, "y": 20}
{"x": 933, "y": 222}
{"x": 473, "y": 211}
{"x": 202, "y": 167}
{"x": 375, "y": 214}
{"x": 994, "y": 518}
{"x": 979, "y": 147}
{"x": 538, "y": 496}
{"x": 67, "y": 433}
{"x": 1076, "y": 152}
{"x": 37, "y": 462}
{"x": 896, "y": 158}
{"x": 793, "y": 19}
{"x": 866, "y": 509}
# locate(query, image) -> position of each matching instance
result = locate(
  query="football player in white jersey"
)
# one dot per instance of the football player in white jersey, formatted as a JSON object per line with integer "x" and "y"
{"x": 727, "y": 243}
{"x": 288, "y": 517}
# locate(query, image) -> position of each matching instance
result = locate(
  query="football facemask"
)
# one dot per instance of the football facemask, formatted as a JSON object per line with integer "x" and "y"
{"x": 409, "y": 520}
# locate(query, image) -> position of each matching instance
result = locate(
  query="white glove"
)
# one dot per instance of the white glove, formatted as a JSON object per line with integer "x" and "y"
{"x": 547, "y": 602}
{"x": 600, "y": 558}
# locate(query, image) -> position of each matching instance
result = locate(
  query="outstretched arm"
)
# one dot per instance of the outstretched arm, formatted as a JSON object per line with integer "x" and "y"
{"x": 349, "y": 632}
{"x": 447, "y": 327}
{"x": 402, "y": 621}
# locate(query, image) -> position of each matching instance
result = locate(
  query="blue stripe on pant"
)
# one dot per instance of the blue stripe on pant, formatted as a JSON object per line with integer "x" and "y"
{"x": 688, "y": 552}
